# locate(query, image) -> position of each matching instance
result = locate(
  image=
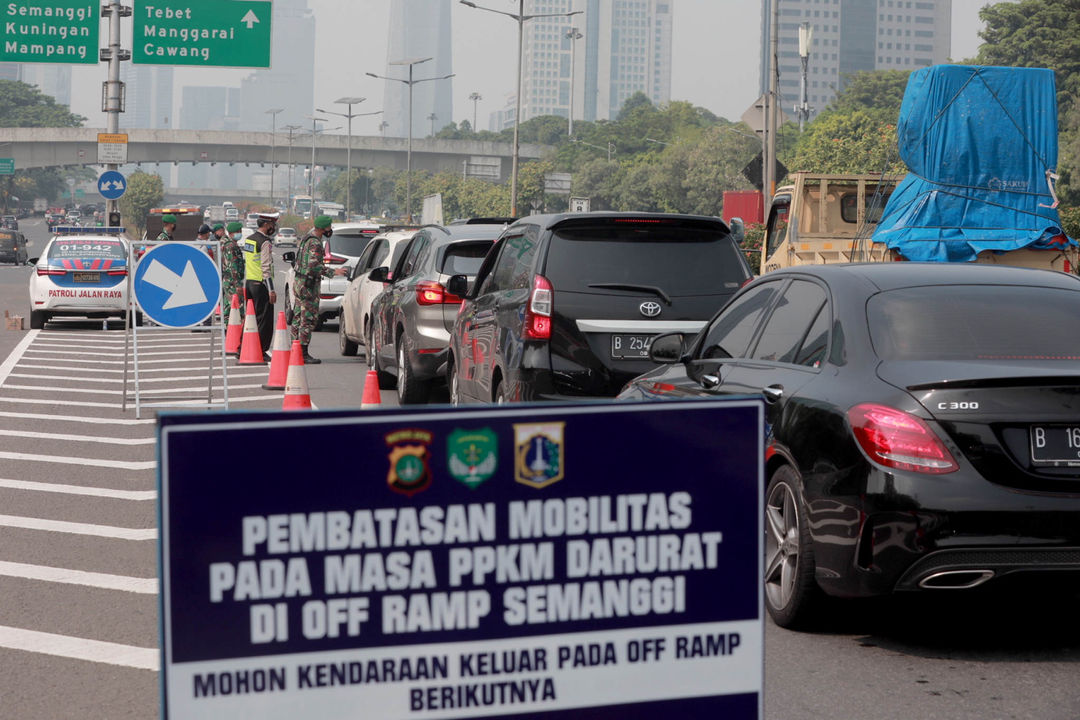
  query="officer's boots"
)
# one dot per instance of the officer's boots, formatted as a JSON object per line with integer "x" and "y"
{"x": 308, "y": 359}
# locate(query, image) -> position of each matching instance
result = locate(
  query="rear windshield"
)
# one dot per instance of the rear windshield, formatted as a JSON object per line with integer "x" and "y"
{"x": 350, "y": 243}
{"x": 677, "y": 259}
{"x": 87, "y": 248}
{"x": 7, "y": 243}
{"x": 998, "y": 322}
{"x": 464, "y": 258}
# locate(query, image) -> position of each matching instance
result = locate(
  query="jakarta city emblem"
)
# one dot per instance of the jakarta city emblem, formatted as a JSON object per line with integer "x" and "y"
{"x": 538, "y": 453}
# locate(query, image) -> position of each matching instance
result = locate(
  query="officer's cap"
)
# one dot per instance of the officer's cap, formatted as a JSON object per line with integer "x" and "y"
{"x": 323, "y": 221}
{"x": 168, "y": 219}
{"x": 204, "y": 229}
{"x": 234, "y": 226}
{"x": 219, "y": 226}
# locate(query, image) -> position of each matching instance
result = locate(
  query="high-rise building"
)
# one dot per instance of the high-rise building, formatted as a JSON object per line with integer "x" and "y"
{"x": 850, "y": 36}
{"x": 625, "y": 48}
{"x": 51, "y": 80}
{"x": 149, "y": 92}
{"x": 208, "y": 108}
{"x": 418, "y": 29}
{"x": 289, "y": 82}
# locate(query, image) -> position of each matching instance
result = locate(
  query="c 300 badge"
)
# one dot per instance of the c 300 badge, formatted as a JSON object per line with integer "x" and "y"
{"x": 539, "y": 453}
{"x": 472, "y": 456}
{"x": 409, "y": 469}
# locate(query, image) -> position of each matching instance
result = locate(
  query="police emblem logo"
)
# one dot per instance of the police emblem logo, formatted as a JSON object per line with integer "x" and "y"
{"x": 472, "y": 455}
{"x": 538, "y": 453}
{"x": 409, "y": 469}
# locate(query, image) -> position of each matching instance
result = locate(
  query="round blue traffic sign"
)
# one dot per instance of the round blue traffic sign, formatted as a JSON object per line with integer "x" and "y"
{"x": 111, "y": 185}
{"x": 176, "y": 284}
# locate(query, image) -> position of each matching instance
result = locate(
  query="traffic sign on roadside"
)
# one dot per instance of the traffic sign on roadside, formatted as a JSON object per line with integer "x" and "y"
{"x": 112, "y": 148}
{"x": 177, "y": 284}
{"x": 58, "y": 31}
{"x": 218, "y": 33}
{"x": 112, "y": 185}
{"x": 7, "y": 166}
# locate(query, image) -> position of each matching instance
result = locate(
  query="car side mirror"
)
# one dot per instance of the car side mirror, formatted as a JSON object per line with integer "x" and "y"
{"x": 458, "y": 285}
{"x": 288, "y": 257}
{"x": 667, "y": 349}
{"x": 32, "y": 261}
{"x": 380, "y": 274}
{"x": 738, "y": 229}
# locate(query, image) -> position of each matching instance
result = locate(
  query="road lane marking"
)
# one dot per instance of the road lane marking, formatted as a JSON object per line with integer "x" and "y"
{"x": 78, "y": 490}
{"x": 73, "y": 528}
{"x": 104, "y": 581}
{"x": 16, "y": 354}
{"x": 78, "y": 361}
{"x": 74, "y": 403}
{"x": 70, "y": 378}
{"x": 78, "y": 438}
{"x": 78, "y": 418}
{"x": 66, "y": 351}
{"x": 80, "y": 648}
{"x": 89, "y": 391}
{"x": 95, "y": 462}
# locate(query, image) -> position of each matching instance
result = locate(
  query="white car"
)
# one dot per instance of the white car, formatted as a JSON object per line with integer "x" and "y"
{"x": 354, "y": 323}
{"x": 83, "y": 274}
{"x": 251, "y": 221}
{"x": 285, "y": 237}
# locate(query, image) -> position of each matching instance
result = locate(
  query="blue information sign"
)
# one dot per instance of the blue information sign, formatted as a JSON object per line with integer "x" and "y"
{"x": 177, "y": 284}
{"x": 112, "y": 185}
{"x": 598, "y": 561}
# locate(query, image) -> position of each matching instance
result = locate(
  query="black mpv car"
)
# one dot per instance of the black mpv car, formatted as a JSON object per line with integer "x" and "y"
{"x": 565, "y": 306}
{"x": 922, "y": 423}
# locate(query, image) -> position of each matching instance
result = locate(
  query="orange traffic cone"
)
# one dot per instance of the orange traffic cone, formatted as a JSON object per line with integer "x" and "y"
{"x": 251, "y": 348}
{"x": 235, "y": 328}
{"x": 279, "y": 356}
{"x": 371, "y": 397}
{"x": 296, "y": 390}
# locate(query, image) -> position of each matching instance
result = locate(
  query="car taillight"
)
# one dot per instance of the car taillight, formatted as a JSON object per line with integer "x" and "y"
{"x": 50, "y": 271}
{"x": 900, "y": 440}
{"x": 121, "y": 271}
{"x": 538, "y": 311}
{"x": 432, "y": 293}
{"x": 330, "y": 257}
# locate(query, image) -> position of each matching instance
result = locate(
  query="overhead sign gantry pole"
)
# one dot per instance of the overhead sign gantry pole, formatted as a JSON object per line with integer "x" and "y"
{"x": 112, "y": 95}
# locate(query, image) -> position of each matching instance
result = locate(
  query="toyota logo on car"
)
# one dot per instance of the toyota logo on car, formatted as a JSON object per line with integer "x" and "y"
{"x": 650, "y": 309}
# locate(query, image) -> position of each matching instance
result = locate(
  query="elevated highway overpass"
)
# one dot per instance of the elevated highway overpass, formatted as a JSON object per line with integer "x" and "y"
{"x": 65, "y": 147}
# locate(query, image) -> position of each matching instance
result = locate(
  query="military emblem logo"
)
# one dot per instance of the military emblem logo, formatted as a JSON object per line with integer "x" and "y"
{"x": 472, "y": 455}
{"x": 409, "y": 469}
{"x": 538, "y": 453}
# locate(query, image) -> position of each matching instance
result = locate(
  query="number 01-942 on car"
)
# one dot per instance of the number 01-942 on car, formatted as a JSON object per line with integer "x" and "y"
{"x": 923, "y": 425}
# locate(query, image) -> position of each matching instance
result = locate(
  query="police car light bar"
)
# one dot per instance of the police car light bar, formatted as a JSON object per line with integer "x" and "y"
{"x": 89, "y": 230}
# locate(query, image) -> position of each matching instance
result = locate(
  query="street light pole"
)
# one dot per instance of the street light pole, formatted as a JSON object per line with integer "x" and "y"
{"x": 520, "y": 17}
{"x": 273, "y": 113}
{"x": 350, "y": 101}
{"x": 410, "y": 82}
{"x": 475, "y": 97}
{"x": 292, "y": 129}
{"x": 574, "y": 36}
{"x": 432, "y": 117}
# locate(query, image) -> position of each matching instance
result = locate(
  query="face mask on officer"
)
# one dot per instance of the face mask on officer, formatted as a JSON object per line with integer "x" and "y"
{"x": 236, "y": 235}
{"x": 328, "y": 232}
{"x": 271, "y": 230}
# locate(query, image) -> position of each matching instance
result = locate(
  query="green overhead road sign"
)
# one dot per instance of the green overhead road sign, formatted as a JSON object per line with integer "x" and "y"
{"x": 218, "y": 33}
{"x": 7, "y": 166}
{"x": 58, "y": 31}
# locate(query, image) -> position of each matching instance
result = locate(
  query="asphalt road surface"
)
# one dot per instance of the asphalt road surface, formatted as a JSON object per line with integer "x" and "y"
{"x": 78, "y": 604}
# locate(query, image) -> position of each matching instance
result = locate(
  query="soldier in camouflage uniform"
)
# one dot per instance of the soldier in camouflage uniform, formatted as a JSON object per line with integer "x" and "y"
{"x": 168, "y": 227}
{"x": 310, "y": 270}
{"x": 232, "y": 266}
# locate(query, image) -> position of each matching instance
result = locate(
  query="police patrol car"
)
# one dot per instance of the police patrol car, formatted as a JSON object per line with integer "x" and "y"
{"x": 82, "y": 272}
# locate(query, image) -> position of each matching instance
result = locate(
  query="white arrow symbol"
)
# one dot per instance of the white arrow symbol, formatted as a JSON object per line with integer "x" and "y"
{"x": 250, "y": 19}
{"x": 185, "y": 290}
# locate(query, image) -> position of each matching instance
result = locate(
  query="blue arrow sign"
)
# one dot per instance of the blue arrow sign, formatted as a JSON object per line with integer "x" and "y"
{"x": 177, "y": 284}
{"x": 111, "y": 185}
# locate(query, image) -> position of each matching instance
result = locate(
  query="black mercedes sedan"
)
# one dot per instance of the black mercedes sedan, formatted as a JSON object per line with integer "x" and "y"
{"x": 922, "y": 423}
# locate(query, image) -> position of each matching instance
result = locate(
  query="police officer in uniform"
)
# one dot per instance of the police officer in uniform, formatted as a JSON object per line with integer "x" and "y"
{"x": 204, "y": 233}
{"x": 168, "y": 227}
{"x": 310, "y": 270}
{"x": 259, "y": 275}
{"x": 232, "y": 265}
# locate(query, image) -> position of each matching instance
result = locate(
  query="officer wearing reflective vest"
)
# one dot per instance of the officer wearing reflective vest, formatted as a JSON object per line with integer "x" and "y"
{"x": 259, "y": 275}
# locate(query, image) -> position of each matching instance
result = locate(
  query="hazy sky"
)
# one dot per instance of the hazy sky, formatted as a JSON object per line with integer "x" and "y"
{"x": 714, "y": 60}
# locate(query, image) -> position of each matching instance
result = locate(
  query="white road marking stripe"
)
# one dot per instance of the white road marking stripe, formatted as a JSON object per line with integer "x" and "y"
{"x": 117, "y": 371}
{"x": 77, "y": 361}
{"x": 80, "y": 648}
{"x": 16, "y": 355}
{"x": 145, "y": 586}
{"x": 78, "y": 418}
{"x": 72, "y": 378}
{"x": 79, "y": 490}
{"x": 66, "y": 351}
{"x": 131, "y": 403}
{"x": 72, "y": 528}
{"x": 78, "y": 438}
{"x": 87, "y": 391}
{"x": 94, "y": 462}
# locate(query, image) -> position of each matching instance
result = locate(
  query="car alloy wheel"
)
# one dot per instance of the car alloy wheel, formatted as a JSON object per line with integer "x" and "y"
{"x": 410, "y": 390}
{"x": 347, "y": 346}
{"x": 790, "y": 588}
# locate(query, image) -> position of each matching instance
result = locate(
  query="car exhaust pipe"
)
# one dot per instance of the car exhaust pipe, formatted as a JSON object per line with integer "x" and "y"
{"x": 955, "y": 579}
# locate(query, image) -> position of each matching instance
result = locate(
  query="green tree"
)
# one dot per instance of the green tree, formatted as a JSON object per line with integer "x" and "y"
{"x": 878, "y": 93}
{"x": 144, "y": 191}
{"x": 855, "y": 142}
